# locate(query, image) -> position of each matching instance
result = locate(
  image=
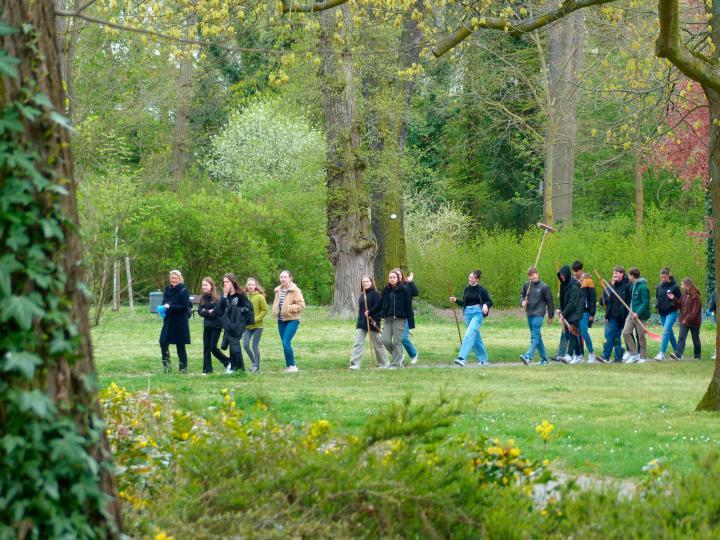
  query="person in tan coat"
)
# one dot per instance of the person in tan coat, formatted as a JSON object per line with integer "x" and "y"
{"x": 287, "y": 307}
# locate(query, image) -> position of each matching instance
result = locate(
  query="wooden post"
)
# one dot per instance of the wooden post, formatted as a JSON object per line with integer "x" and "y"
{"x": 131, "y": 302}
{"x": 116, "y": 275}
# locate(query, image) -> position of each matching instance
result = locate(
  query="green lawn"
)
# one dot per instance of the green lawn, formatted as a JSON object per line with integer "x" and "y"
{"x": 610, "y": 419}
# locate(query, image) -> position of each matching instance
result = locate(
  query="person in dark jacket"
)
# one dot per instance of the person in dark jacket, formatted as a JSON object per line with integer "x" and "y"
{"x": 237, "y": 313}
{"x": 589, "y": 299}
{"x": 396, "y": 310}
{"x": 476, "y": 304}
{"x": 209, "y": 310}
{"x": 639, "y": 313}
{"x": 175, "y": 329}
{"x": 536, "y": 299}
{"x": 409, "y": 282}
{"x": 615, "y": 314}
{"x": 690, "y": 318}
{"x": 368, "y": 313}
{"x": 666, "y": 291}
{"x": 571, "y": 312}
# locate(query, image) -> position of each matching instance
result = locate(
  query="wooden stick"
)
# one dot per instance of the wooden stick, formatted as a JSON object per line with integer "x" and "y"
{"x": 457, "y": 323}
{"x": 367, "y": 322}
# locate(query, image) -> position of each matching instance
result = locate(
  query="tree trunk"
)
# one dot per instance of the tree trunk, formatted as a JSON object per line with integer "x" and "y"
{"x": 352, "y": 245}
{"x": 711, "y": 399}
{"x": 181, "y": 131}
{"x": 566, "y": 52}
{"x": 639, "y": 192}
{"x": 65, "y": 375}
{"x": 128, "y": 275}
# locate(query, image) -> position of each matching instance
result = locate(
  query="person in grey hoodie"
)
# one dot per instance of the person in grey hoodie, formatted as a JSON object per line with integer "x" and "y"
{"x": 536, "y": 299}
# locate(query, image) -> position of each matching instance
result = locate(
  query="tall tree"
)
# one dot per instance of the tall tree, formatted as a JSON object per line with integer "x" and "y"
{"x": 55, "y": 476}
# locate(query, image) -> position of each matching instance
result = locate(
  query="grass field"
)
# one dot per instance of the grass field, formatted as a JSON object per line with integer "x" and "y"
{"x": 610, "y": 419}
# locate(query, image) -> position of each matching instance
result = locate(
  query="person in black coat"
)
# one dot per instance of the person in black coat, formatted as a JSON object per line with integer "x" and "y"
{"x": 237, "y": 313}
{"x": 209, "y": 310}
{"x": 175, "y": 329}
{"x": 666, "y": 292}
{"x": 571, "y": 310}
{"x": 615, "y": 314}
{"x": 371, "y": 314}
{"x": 396, "y": 309}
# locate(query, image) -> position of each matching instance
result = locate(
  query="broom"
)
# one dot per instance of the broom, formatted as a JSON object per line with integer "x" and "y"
{"x": 648, "y": 333}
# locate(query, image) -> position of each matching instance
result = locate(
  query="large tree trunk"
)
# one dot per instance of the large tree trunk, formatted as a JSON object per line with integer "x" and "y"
{"x": 65, "y": 375}
{"x": 352, "y": 245}
{"x": 711, "y": 399}
{"x": 181, "y": 131}
{"x": 566, "y": 52}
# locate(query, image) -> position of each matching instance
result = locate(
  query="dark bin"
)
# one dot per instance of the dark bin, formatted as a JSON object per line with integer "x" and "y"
{"x": 155, "y": 300}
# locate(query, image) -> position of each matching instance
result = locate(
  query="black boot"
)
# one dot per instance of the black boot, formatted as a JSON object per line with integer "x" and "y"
{"x": 240, "y": 361}
{"x": 166, "y": 362}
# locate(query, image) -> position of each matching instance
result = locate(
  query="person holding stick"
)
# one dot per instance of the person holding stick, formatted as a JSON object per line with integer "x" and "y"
{"x": 536, "y": 299}
{"x": 639, "y": 314}
{"x": 616, "y": 312}
{"x": 570, "y": 313}
{"x": 476, "y": 304}
{"x": 665, "y": 294}
{"x": 368, "y": 324}
{"x": 396, "y": 310}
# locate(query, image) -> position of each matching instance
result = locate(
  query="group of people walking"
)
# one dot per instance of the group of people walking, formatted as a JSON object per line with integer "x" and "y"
{"x": 386, "y": 317}
{"x": 238, "y": 313}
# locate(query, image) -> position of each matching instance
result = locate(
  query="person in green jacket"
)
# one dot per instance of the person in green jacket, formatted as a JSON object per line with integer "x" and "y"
{"x": 639, "y": 313}
{"x": 251, "y": 337}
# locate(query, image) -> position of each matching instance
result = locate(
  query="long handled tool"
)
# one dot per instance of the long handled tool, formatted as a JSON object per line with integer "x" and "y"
{"x": 648, "y": 333}
{"x": 545, "y": 228}
{"x": 457, "y": 322}
{"x": 367, "y": 322}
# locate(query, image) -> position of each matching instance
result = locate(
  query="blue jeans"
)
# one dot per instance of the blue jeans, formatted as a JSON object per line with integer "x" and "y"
{"x": 585, "y": 331}
{"x": 668, "y": 335}
{"x": 287, "y": 331}
{"x": 536, "y": 341}
{"x": 409, "y": 347}
{"x": 613, "y": 333}
{"x": 473, "y": 340}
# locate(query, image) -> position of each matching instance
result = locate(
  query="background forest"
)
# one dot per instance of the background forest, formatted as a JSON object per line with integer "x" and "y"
{"x": 214, "y": 159}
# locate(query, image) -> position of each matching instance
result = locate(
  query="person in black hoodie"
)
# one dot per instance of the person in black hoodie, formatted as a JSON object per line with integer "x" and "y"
{"x": 536, "y": 299}
{"x": 370, "y": 313}
{"x": 615, "y": 314}
{"x": 572, "y": 306}
{"x": 175, "y": 329}
{"x": 476, "y": 304}
{"x": 209, "y": 310}
{"x": 667, "y": 291}
{"x": 237, "y": 313}
{"x": 396, "y": 308}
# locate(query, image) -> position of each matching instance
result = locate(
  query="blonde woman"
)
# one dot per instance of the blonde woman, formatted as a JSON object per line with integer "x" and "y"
{"x": 287, "y": 307}
{"x": 371, "y": 314}
{"x": 253, "y": 332}
{"x": 175, "y": 329}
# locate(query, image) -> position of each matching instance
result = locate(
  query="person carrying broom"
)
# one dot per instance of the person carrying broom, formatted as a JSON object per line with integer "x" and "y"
{"x": 636, "y": 319}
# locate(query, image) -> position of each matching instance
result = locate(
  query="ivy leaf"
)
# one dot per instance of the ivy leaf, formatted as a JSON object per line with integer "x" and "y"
{"x": 22, "y": 362}
{"x": 31, "y": 113}
{"x": 43, "y": 101}
{"x": 37, "y": 402}
{"x": 6, "y": 29}
{"x": 62, "y": 121}
{"x": 51, "y": 228}
{"x": 22, "y": 309}
{"x": 8, "y": 265}
{"x": 7, "y": 65}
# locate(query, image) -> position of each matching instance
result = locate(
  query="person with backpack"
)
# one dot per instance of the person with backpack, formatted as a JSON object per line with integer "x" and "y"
{"x": 666, "y": 293}
{"x": 253, "y": 332}
{"x": 536, "y": 299}
{"x": 368, "y": 314}
{"x": 396, "y": 310}
{"x": 209, "y": 310}
{"x": 237, "y": 313}
{"x": 690, "y": 316}
{"x": 288, "y": 304}
{"x": 175, "y": 328}
{"x": 639, "y": 314}
{"x": 570, "y": 312}
{"x": 476, "y": 304}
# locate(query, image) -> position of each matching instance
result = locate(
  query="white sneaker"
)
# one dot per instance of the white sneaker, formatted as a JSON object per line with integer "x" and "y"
{"x": 633, "y": 358}
{"x": 591, "y": 358}
{"x": 578, "y": 359}
{"x": 291, "y": 369}
{"x": 641, "y": 360}
{"x": 413, "y": 360}
{"x": 228, "y": 369}
{"x": 626, "y": 356}
{"x": 354, "y": 367}
{"x": 660, "y": 357}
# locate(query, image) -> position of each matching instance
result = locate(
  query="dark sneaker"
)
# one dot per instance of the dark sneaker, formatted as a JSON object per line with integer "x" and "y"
{"x": 674, "y": 356}
{"x": 460, "y": 362}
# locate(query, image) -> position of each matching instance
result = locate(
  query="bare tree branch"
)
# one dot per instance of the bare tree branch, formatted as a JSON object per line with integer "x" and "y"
{"x": 317, "y": 6}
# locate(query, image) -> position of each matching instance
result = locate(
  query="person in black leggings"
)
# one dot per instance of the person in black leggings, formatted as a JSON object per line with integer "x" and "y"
{"x": 209, "y": 310}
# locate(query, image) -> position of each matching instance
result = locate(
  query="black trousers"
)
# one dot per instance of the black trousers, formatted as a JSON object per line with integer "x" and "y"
{"x": 181, "y": 352}
{"x": 210, "y": 341}
{"x": 575, "y": 344}
{"x": 682, "y": 336}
